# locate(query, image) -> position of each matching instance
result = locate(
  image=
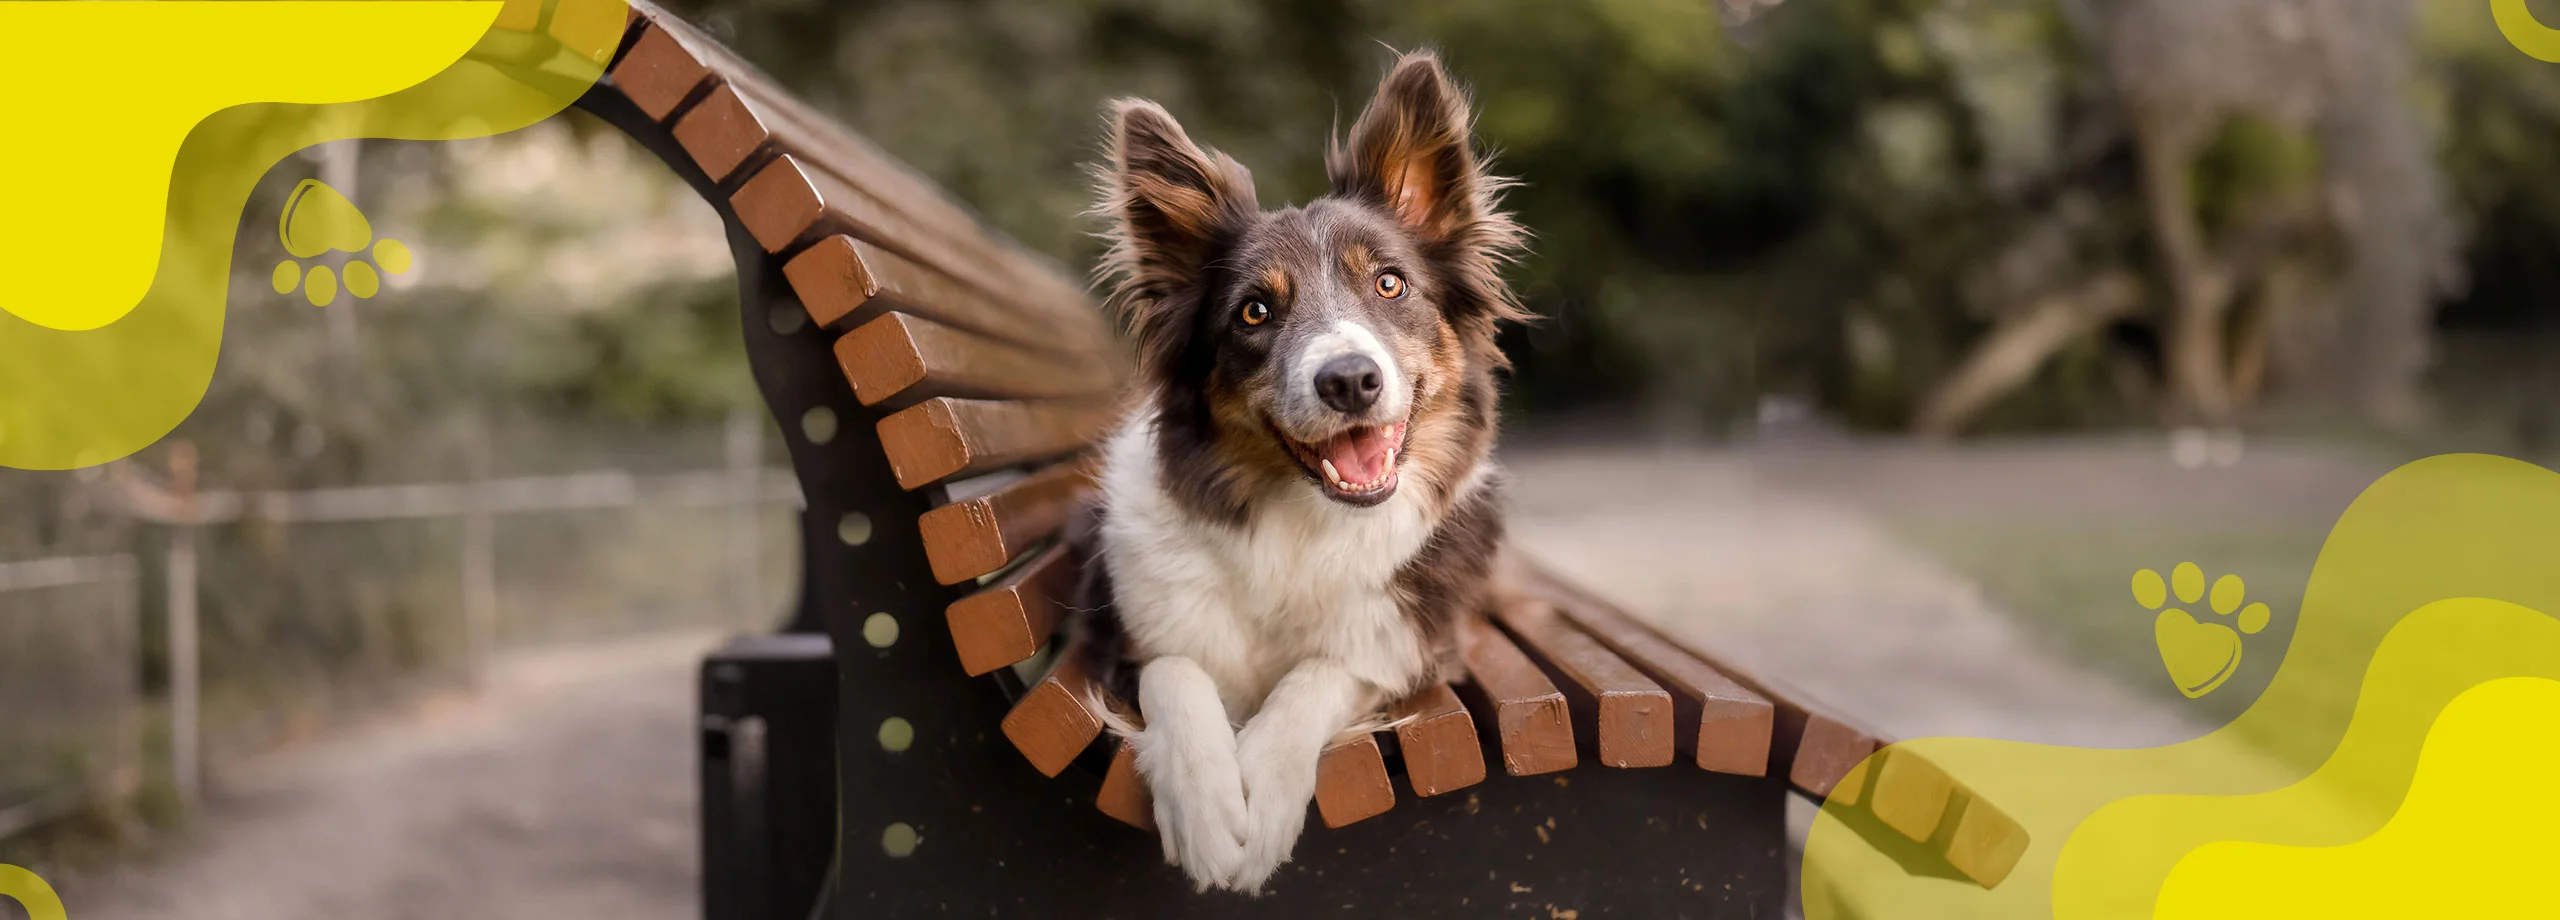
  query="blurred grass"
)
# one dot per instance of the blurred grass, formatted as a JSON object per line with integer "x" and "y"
{"x": 2073, "y": 582}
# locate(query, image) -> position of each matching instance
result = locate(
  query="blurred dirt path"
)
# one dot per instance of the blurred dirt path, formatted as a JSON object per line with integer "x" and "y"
{"x": 1813, "y": 593}
{"x": 564, "y": 790}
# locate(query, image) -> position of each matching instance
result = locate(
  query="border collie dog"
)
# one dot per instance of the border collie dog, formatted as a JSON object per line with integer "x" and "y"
{"x": 1300, "y": 508}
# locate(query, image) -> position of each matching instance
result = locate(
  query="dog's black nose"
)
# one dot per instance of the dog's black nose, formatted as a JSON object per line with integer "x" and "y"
{"x": 1349, "y": 383}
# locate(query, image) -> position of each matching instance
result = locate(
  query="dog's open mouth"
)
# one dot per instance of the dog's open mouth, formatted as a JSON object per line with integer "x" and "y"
{"x": 1357, "y": 464}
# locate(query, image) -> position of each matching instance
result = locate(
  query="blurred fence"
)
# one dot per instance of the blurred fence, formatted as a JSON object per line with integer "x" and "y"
{"x": 73, "y": 713}
{"x": 70, "y": 685}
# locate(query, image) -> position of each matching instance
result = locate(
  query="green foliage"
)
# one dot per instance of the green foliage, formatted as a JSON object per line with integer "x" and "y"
{"x": 1710, "y": 199}
{"x": 2250, "y": 161}
{"x": 668, "y": 356}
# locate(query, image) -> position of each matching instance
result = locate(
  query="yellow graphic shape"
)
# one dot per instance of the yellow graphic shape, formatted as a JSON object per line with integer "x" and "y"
{"x": 89, "y": 158}
{"x": 318, "y": 220}
{"x": 89, "y": 375}
{"x": 2529, "y": 35}
{"x": 2433, "y": 582}
{"x": 2472, "y": 840}
{"x": 2199, "y": 656}
{"x": 31, "y": 893}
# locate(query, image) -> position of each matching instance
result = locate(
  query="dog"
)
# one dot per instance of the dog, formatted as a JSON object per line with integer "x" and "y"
{"x": 1299, "y": 509}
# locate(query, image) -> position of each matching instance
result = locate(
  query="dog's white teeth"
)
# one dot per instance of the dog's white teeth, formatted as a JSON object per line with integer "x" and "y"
{"x": 1329, "y": 474}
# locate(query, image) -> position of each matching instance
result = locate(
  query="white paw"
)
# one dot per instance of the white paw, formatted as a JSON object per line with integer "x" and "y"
{"x": 1199, "y": 805}
{"x": 1278, "y": 784}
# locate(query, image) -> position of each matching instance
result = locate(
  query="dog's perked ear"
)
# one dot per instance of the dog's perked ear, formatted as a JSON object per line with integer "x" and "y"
{"x": 1171, "y": 204}
{"x": 1413, "y": 153}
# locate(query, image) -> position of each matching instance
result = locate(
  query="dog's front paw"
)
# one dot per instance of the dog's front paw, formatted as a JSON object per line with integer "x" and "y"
{"x": 1199, "y": 806}
{"x": 1278, "y": 784}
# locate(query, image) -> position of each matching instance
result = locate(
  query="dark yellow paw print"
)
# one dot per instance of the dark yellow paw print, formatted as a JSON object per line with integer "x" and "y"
{"x": 2199, "y": 655}
{"x": 317, "y": 220}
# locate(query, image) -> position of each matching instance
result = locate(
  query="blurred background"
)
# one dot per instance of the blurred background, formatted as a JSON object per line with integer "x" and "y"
{"x": 1881, "y": 341}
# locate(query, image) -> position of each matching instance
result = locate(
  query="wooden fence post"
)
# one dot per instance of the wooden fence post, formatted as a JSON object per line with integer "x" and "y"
{"x": 479, "y": 563}
{"x": 184, "y": 673}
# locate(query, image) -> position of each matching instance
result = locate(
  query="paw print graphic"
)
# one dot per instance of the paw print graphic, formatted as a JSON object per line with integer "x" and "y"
{"x": 317, "y": 221}
{"x": 2199, "y": 655}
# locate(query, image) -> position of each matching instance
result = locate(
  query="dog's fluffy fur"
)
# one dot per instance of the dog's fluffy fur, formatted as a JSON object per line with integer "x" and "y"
{"x": 1244, "y": 578}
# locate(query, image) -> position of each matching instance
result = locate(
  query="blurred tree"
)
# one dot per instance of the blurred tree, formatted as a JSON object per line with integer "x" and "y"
{"x": 1938, "y": 213}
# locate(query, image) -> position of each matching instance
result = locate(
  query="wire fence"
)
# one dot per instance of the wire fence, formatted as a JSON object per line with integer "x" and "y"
{"x": 72, "y": 628}
{"x": 70, "y": 683}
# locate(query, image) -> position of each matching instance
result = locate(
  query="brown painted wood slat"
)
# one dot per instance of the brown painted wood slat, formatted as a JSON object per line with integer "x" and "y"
{"x": 902, "y": 357}
{"x": 834, "y": 169}
{"x": 1910, "y": 794}
{"x": 1824, "y": 746}
{"x": 721, "y": 132}
{"x": 787, "y": 201}
{"x": 1053, "y": 722}
{"x": 791, "y": 195}
{"x": 1921, "y": 800}
{"x": 944, "y": 437}
{"x": 518, "y": 16}
{"x": 836, "y": 278}
{"x": 659, "y": 72}
{"x": 845, "y": 281}
{"x": 1438, "y": 739}
{"x": 592, "y": 29}
{"x": 1983, "y": 842}
{"x": 826, "y": 144}
{"x": 1808, "y": 744}
{"x": 1351, "y": 781}
{"x": 1620, "y": 715}
{"x": 1820, "y": 754}
{"x": 1732, "y": 723}
{"x": 1011, "y": 619}
{"x": 1124, "y": 794}
{"x": 1516, "y": 702}
{"x": 967, "y": 539}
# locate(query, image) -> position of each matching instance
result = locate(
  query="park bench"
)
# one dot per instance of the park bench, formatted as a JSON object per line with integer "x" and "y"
{"x": 916, "y": 742}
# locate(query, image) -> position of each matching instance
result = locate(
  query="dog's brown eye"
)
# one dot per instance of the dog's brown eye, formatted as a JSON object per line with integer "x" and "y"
{"x": 1255, "y": 313}
{"x": 1390, "y": 285}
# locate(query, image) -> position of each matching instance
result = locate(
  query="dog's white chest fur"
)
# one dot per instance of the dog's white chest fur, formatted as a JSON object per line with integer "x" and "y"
{"x": 1305, "y": 577}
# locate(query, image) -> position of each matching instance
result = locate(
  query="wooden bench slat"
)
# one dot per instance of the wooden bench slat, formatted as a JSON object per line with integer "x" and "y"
{"x": 1124, "y": 794}
{"x": 1910, "y": 794}
{"x": 592, "y": 29}
{"x": 898, "y": 356}
{"x": 1984, "y": 843}
{"x": 1052, "y": 723}
{"x": 790, "y": 196}
{"x": 1351, "y": 781}
{"x": 721, "y": 132}
{"x": 1620, "y": 715}
{"x": 1820, "y": 753}
{"x": 518, "y": 16}
{"x": 1010, "y": 620}
{"x": 1438, "y": 740}
{"x": 1808, "y": 744}
{"x": 659, "y": 72}
{"x": 967, "y": 539}
{"x": 945, "y": 437}
{"x": 822, "y": 142}
{"x": 843, "y": 281}
{"x": 1824, "y": 748}
{"x": 1524, "y": 711}
{"x": 1733, "y": 723}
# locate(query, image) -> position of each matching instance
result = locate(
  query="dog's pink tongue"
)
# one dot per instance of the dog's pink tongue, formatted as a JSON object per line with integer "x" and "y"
{"x": 1360, "y": 454}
